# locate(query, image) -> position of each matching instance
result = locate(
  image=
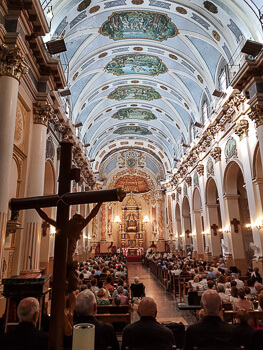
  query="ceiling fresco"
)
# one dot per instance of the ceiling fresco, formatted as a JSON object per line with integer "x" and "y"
{"x": 136, "y": 63}
{"x": 140, "y": 70}
{"x": 132, "y": 130}
{"x": 137, "y": 25}
{"x": 139, "y": 92}
{"x": 134, "y": 113}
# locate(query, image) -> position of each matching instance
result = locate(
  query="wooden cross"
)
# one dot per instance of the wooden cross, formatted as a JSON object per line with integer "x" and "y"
{"x": 62, "y": 201}
{"x": 214, "y": 227}
{"x": 235, "y": 222}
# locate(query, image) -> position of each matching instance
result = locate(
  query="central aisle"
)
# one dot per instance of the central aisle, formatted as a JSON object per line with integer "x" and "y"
{"x": 166, "y": 303}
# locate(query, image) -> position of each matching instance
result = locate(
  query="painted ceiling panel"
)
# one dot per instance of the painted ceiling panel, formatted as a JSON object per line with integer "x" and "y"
{"x": 156, "y": 58}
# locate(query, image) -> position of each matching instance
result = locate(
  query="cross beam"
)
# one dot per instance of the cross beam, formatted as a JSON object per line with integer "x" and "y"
{"x": 62, "y": 201}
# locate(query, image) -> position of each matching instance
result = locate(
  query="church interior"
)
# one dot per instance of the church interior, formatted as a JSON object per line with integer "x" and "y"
{"x": 162, "y": 98}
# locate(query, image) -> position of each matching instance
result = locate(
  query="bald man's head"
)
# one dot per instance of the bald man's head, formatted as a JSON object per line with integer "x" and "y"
{"x": 27, "y": 310}
{"x": 211, "y": 302}
{"x": 147, "y": 307}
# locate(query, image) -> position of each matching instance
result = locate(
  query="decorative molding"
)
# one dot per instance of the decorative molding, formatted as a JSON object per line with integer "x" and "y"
{"x": 42, "y": 113}
{"x": 200, "y": 169}
{"x": 188, "y": 180}
{"x": 256, "y": 115}
{"x": 241, "y": 129}
{"x": 12, "y": 62}
{"x": 216, "y": 154}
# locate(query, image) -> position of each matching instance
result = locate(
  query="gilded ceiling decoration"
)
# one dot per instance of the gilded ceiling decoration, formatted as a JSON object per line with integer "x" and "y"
{"x": 138, "y": 130}
{"x": 134, "y": 113}
{"x": 136, "y": 63}
{"x": 132, "y": 184}
{"x": 139, "y": 92}
{"x": 139, "y": 25}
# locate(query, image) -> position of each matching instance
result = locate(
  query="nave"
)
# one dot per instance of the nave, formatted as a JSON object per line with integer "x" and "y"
{"x": 166, "y": 303}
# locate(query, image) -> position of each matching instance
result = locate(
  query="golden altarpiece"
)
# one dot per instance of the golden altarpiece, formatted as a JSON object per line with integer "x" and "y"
{"x": 132, "y": 225}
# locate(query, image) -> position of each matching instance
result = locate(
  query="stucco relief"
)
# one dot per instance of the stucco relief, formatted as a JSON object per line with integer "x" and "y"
{"x": 19, "y": 127}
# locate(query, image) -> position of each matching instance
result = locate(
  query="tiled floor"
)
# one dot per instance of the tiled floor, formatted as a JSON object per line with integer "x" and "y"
{"x": 166, "y": 303}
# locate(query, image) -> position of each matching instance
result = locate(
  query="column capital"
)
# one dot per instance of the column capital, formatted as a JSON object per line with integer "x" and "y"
{"x": 256, "y": 114}
{"x": 12, "y": 62}
{"x": 241, "y": 129}
{"x": 216, "y": 153}
{"x": 188, "y": 180}
{"x": 200, "y": 169}
{"x": 42, "y": 113}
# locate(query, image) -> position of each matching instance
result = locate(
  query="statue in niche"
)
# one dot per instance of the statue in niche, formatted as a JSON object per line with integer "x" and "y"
{"x": 131, "y": 222}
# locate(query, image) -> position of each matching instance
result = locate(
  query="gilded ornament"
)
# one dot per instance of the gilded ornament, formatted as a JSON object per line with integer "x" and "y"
{"x": 181, "y": 10}
{"x": 216, "y": 154}
{"x": 94, "y": 9}
{"x": 179, "y": 190}
{"x": 138, "y": 48}
{"x": 163, "y": 87}
{"x": 200, "y": 79}
{"x": 105, "y": 87}
{"x": 12, "y": 62}
{"x": 42, "y": 113}
{"x": 200, "y": 169}
{"x": 210, "y": 7}
{"x": 256, "y": 114}
{"x": 189, "y": 180}
{"x": 216, "y": 35}
{"x": 83, "y": 106}
{"x": 137, "y": 2}
{"x": 104, "y": 54}
{"x": 186, "y": 106}
{"x": 75, "y": 76}
{"x": 173, "y": 57}
{"x": 241, "y": 129}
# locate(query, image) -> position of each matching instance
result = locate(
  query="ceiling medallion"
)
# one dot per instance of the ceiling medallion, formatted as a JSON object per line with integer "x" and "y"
{"x": 186, "y": 106}
{"x": 210, "y": 7}
{"x": 75, "y": 76}
{"x": 137, "y": 2}
{"x": 104, "y": 54}
{"x": 135, "y": 81}
{"x": 181, "y": 10}
{"x": 136, "y": 63}
{"x": 173, "y": 56}
{"x": 200, "y": 79}
{"x": 108, "y": 110}
{"x": 138, "y": 25}
{"x": 105, "y": 87}
{"x": 163, "y": 87}
{"x": 216, "y": 35}
{"x": 94, "y": 9}
{"x": 137, "y": 48}
{"x": 83, "y": 106}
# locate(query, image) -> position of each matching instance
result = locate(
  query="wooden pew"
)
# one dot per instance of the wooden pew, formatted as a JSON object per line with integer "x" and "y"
{"x": 230, "y": 315}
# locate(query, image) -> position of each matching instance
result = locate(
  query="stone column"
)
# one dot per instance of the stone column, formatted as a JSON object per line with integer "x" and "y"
{"x": 42, "y": 113}
{"x": 213, "y": 219}
{"x": 12, "y": 67}
{"x": 199, "y": 241}
{"x": 235, "y": 234}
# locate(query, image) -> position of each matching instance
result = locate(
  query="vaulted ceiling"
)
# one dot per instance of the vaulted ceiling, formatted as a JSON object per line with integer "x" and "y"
{"x": 138, "y": 70}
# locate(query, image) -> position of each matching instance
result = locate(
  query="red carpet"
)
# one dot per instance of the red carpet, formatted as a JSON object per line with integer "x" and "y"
{"x": 133, "y": 258}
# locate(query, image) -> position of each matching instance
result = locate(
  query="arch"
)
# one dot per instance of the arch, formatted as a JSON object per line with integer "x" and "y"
{"x": 257, "y": 164}
{"x": 50, "y": 178}
{"x": 197, "y": 204}
{"x": 211, "y": 191}
{"x": 230, "y": 176}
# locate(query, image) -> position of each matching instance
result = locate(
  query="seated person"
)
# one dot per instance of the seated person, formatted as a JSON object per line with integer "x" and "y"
{"x": 25, "y": 336}
{"x": 124, "y": 300}
{"x": 102, "y": 299}
{"x": 211, "y": 330}
{"x": 147, "y": 332}
{"x": 86, "y": 309}
{"x": 241, "y": 302}
{"x": 221, "y": 292}
{"x": 137, "y": 288}
{"x": 196, "y": 285}
{"x": 243, "y": 328}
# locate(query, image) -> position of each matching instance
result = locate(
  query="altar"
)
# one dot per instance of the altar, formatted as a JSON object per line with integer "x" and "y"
{"x": 133, "y": 251}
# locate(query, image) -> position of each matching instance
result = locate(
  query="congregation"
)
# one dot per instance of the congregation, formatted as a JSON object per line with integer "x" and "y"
{"x": 103, "y": 281}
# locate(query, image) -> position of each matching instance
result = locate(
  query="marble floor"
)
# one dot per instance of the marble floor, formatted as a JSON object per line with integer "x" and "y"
{"x": 166, "y": 303}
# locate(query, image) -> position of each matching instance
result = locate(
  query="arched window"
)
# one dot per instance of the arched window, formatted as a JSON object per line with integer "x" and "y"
{"x": 222, "y": 79}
